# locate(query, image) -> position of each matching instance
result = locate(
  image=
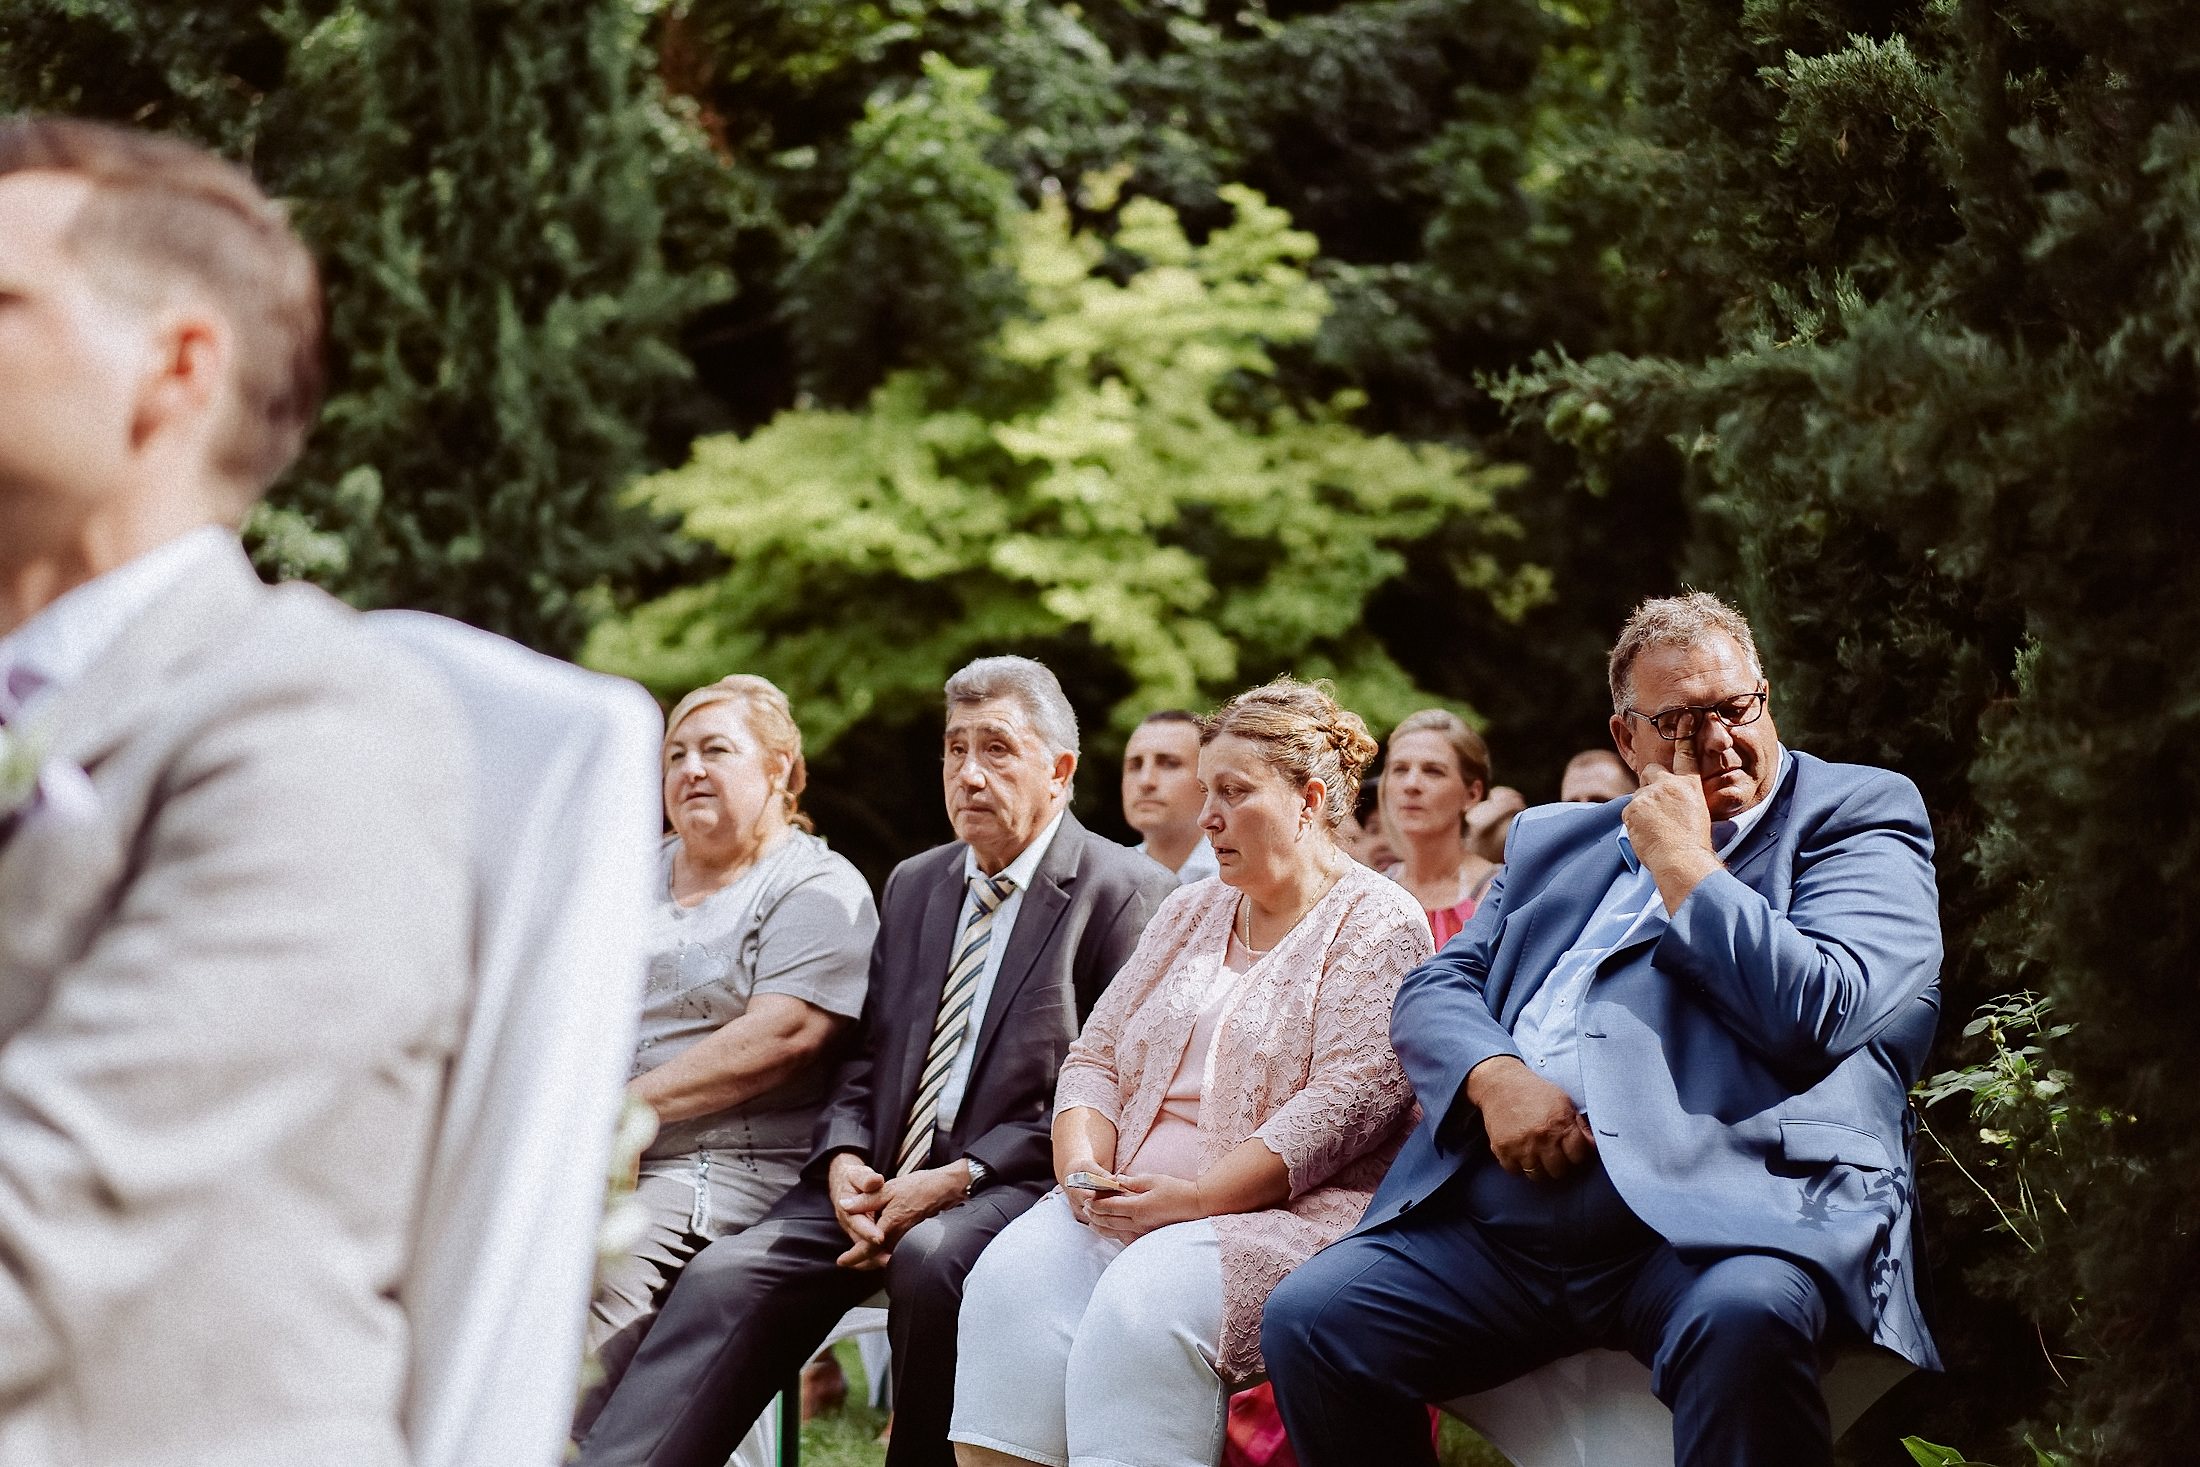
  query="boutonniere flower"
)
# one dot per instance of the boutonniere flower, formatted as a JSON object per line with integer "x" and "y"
{"x": 29, "y": 781}
{"x": 19, "y": 766}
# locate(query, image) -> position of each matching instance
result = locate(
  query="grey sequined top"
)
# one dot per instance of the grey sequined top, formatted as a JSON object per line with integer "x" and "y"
{"x": 799, "y": 922}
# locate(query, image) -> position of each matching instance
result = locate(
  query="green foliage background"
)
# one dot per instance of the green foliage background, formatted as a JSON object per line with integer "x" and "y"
{"x": 489, "y": 188}
{"x": 1405, "y": 340}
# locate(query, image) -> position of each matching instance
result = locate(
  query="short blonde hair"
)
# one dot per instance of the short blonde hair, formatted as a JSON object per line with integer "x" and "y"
{"x": 1306, "y": 737}
{"x": 1466, "y": 745}
{"x": 769, "y": 719}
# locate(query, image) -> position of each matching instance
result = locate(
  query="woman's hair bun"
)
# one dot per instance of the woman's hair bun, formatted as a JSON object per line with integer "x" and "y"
{"x": 1356, "y": 747}
{"x": 1307, "y": 735}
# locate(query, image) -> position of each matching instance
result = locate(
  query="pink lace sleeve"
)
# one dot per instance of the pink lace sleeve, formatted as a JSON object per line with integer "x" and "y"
{"x": 1355, "y": 1094}
{"x": 1088, "y": 1076}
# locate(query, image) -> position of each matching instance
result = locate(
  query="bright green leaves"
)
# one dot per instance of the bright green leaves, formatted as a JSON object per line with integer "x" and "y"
{"x": 1148, "y": 490}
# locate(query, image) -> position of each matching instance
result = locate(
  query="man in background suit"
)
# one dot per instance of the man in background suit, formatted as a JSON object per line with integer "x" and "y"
{"x": 1663, "y": 1075}
{"x": 232, "y": 900}
{"x": 991, "y": 951}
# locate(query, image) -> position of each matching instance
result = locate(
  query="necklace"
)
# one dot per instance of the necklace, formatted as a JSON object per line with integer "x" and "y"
{"x": 1245, "y": 923}
{"x": 1245, "y": 918}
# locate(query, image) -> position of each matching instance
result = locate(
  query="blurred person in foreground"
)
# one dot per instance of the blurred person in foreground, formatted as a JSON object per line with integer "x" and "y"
{"x": 1238, "y": 1082}
{"x": 1161, "y": 798}
{"x": 1489, "y": 823}
{"x": 759, "y": 959}
{"x": 991, "y": 951}
{"x": 1435, "y": 773}
{"x": 234, "y": 899}
{"x": 1664, "y": 1081}
{"x": 1594, "y": 776}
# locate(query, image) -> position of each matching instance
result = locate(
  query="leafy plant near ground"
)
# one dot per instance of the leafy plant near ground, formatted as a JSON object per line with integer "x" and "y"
{"x": 2019, "y": 1101}
{"x": 1926, "y": 1454}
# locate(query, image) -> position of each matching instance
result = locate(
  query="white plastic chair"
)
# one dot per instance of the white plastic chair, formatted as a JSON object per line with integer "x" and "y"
{"x": 1595, "y": 1409}
{"x": 566, "y": 826}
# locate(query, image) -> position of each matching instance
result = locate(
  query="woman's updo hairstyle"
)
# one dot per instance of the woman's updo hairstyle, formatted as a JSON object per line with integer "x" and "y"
{"x": 1306, "y": 737}
{"x": 770, "y": 721}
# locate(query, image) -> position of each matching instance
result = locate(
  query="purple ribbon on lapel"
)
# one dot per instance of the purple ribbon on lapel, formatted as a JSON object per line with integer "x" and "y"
{"x": 18, "y": 685}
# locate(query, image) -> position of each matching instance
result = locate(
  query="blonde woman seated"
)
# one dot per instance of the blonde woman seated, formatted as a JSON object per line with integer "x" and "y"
{"x": 760, "y": 957}
{"x": 1237, "y": 1079}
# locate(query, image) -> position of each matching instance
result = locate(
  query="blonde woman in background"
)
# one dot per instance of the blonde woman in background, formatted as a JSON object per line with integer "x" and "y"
{"x": 1436, "y": 770}
{"x": 1226, "y": 1112}
{"x": 760, "y": 956}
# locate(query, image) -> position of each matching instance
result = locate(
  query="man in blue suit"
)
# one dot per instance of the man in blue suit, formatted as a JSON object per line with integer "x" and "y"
{"x": 1663, "y": 1076}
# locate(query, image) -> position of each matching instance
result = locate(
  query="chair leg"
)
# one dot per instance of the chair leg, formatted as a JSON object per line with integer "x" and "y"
{"x": 790, "y": 1424}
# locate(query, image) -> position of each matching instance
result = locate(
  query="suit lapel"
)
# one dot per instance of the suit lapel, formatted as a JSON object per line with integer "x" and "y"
{"x": 1572, "y": 895}
{"x": 927, "y": 980}
{"x": 127, "y": 689}
{"x": 1761, "y": 841}
{"x": 134, "y": 679}
{"x": 1036, "y": 919}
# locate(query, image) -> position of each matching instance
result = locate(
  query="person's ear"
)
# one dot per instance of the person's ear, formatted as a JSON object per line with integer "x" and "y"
{"x": 1622, "y": 741}
{"x": 187, "y": 373}
{"x": 1315, "y": 797}
{"x": 1065, "y": 765}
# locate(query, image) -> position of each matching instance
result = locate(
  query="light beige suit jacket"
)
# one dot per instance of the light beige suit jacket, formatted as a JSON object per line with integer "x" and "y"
{"x": 228, "y": 997}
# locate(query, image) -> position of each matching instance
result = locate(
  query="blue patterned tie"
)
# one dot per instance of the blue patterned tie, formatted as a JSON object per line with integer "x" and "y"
{"x": 956, "y": 1001}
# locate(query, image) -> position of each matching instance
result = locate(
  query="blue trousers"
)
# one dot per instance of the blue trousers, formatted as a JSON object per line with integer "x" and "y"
{"x": 1496, "y": 1275}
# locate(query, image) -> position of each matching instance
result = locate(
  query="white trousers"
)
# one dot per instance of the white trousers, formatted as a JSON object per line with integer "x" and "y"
{"x": 1077, "y": 1351}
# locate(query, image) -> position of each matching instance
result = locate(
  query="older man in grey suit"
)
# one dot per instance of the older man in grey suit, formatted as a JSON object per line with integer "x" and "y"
{"x": 991, "y": 952}
{"x": 232, "y": 895}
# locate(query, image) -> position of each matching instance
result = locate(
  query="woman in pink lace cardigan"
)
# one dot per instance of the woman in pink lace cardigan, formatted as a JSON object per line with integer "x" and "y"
{"x": 1237, "y": 1081}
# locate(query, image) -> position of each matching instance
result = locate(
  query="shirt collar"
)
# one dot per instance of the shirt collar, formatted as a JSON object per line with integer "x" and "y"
{"x": 59, "y": 645}
{"x": 1020, "y": 870}
{"x": 1739, "y": 827}
{"x": 1203, "y": 849}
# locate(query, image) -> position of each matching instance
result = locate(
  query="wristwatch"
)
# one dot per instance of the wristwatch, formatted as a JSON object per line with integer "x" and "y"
{"x": 981, "y": 1175}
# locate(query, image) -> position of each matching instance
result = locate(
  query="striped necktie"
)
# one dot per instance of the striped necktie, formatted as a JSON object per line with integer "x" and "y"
{"x": 987, "y": 893}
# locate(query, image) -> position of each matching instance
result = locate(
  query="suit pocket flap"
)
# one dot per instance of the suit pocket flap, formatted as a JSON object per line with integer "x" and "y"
{"x": 1823, "y": 1141}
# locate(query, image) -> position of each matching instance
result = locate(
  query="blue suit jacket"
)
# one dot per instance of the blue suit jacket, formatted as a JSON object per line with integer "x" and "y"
{"x": 1746, "y": 1063}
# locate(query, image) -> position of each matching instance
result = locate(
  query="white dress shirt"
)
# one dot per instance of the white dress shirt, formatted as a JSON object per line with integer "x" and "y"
{"x": 59, "y": 645}
{"x": 1548, "y": 1032}
{"x": 1019, "y": 871}
{"x": 1198, "y": 866}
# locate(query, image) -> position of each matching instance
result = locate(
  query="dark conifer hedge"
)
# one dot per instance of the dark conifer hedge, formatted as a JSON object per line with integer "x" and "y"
{"x": 486, "y": 183}
{"x": 1943, "y": 449}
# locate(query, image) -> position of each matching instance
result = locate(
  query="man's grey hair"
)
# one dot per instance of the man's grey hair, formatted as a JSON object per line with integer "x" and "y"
{"x": 1687, "y": 620}
{"x": 1032, "y": 685}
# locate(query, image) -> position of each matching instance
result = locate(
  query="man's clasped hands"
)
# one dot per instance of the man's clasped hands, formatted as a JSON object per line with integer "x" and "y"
{"x": 875, "y": 1210}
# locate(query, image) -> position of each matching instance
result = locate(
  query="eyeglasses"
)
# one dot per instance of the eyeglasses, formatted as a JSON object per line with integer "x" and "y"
{"x": 1675, "y": 724}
